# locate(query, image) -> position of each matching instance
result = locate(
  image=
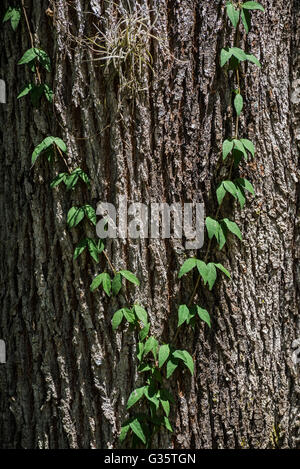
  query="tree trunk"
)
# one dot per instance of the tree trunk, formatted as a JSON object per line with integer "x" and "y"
{"x": 68, "y": 375}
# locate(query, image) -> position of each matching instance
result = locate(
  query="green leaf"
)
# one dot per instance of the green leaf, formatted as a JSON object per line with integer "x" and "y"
{"x": 124, "y": 431}
{"x": 211, "y": 275}
{"x": 221, "y": 238}
{"x": 165, "y": 399}
{"x": 166, "y": 406}
{"x": 116, "y": 284}
{"x": 238, "y": 53}
{"x": 151, "y": 345}
{"x": 106, "y": 283}
{"x": 163, "y": 355}
{"x": 129, "y": 315}
{"x": 135, "y": 396}
{"x": 232, "y": 14}
{"x": 97, "y": 281}
{"x": 14, "y": 15}
{"x": 230, "y": 187}
{"x": 186, "y": 358}
{"x": 71, "y": 181}
{"x": 187, "y": 266}
{"x": 245, "y": 184}
{"x": 90, "y": 213}
{"x": 222, "y": 268}
{"x": 232, "y": 226}
{"x": 117, "y": 317}
{"x": 238, "y": 103}
{"x": 59, "y": 142}
{"x": 202, "y": 269}
{"x": 79, "y": 172}
{"x": 246, "y": 19}
{"x": 253, "y": 59}
{"x": 100, "y": 246}
{"x": 183, "y": 314}
{"x": 225, "y": 56}
{"x": 39, "y": 54}
{"x": 252, "y": 6}
{"x": 103, "y": 279}
{"x": 80, "y": 248}
{"x": 138, "y": 430}
{"x": 26, "y": 90}
{"x": 167, "y": 424}
{"x": 240, "y": 147}
{"x": 241, "y": 196}
{"x": 130, "y": 277}
{"x": 58, "y": 179}
{"x": 46, "y": 144}
{"x": 140, "y": 350}
{"x": 204, "y": 315}
{"x": 75, "y": 215}
{"x": 141, "y": 314}
{"x": 248, "y": 145}
{"x": 7, "y": 15}
{"x": 43, "y": 59}
{"x": 144, "y": 332}
{"x": 93, "y": 249}
{"x": 226, "y": 148}
{"x": 172, "y": 364}
{"x": 212, "y": 227}
{"x": 48, "y": 92}
{"x": 189, "y": 362}
{"x": 221, "y": 191}
{"x": 152, "y": 395}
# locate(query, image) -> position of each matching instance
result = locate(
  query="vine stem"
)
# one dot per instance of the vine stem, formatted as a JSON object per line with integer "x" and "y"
{"x": 31, "y": 39}
{"x": 109, "y": 263}
{"x": 236, "y": 42}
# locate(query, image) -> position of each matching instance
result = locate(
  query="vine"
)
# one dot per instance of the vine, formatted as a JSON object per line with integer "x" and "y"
{"x": 156, "y": 362}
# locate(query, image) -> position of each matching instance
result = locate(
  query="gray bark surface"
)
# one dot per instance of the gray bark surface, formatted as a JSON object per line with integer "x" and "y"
{"x": 68, "y": 376}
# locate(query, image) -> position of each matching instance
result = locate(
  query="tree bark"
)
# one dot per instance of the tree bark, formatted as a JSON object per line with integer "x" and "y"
{"x": 68, "y": 376}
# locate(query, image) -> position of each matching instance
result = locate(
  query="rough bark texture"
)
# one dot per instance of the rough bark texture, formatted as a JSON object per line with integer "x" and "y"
{"x": 68, "y": 376}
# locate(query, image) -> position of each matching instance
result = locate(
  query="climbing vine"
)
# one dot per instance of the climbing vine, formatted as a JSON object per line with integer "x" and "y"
{"x": 156, "y": 361}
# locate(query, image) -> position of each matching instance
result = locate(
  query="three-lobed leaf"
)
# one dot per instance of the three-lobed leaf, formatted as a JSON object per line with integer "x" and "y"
{"x": 104, "y": 280}
{"x": 14, "y": 15}
{"x": 45, "y": 145}
{"x": 36, "y": 54}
